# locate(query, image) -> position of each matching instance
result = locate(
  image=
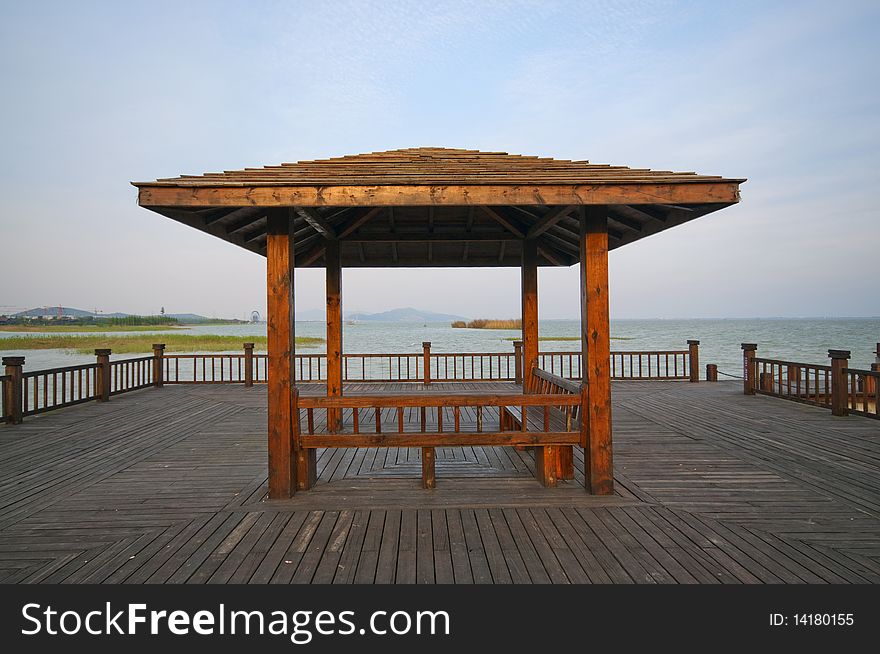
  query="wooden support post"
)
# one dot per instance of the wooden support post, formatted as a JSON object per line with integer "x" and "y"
{"x": 334, "y": 331}
{"x": 547, "y": 464}
{"x": 429, "y": 477}
{"x": 750, "y": 371}
{"x": 596, "y": 350}
{"x": 694, "y": 356}
{"x": 565, "y": 462}
{"x": 529, "y": 309}
{"x": 517, "y": 362}
{"x": 839, "y": 395}
{"x": 546, "y": 457}
{"x": 248, "y": 364}
{"x": 12, "y": 407}
{"x": 305, "y": 459}
{"x": 158, "y": 367}
{"x": 711, "y": 372}
{"x": 280, "y": 346}
{"x": 102, "y": 375}
{"x": 426, "y": 361}
{"x": 765, "y": 382}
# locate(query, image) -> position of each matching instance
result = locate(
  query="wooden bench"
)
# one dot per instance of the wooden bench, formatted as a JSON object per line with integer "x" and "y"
{"x": 552, "y": 462}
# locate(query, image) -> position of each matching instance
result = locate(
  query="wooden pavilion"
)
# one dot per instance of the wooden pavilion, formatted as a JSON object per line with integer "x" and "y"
{"x": 438, "y": 207}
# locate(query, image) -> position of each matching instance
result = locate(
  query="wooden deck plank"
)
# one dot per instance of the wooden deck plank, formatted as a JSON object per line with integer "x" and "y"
{"x": 169, "y": 486}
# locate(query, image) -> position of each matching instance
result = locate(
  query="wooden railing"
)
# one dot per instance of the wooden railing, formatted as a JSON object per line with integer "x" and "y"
{"x": 131, "y": 374}
{"x": 801, "y": 382}
{"x": 837, "y": 387}
{"x": 863, "y": 392}
{"x": 44, "y": 390}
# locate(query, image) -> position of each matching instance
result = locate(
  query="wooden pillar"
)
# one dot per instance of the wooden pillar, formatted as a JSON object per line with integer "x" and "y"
{"x": 750, "y": 370}
{"x": 158, "y": 367}
{"x": 429, "y": 477}
{"x": 694, "y": 356}
{"x": 334, "y": 330}
{"x": 426, "y": 361}
{"x": 102, "y": 375}
{"x": 839, "y": 395}
{"x": 280, "y": 346}
{"x": 546, "y": 456}
{"x": 517, "y": 362}
{"x": 529, "y": 309}
{"x": 248, "y": 364}
{"x": 12, "y": 407}
{"x": 711, "y": 372}
{"x": 596, "y": 350}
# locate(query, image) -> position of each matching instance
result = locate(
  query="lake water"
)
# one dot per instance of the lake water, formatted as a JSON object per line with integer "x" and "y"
{"x": 804, "y": 340}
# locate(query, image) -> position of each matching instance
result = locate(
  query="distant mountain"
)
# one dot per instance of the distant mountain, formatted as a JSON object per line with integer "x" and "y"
{"x": 54, "y": 312}
{"x": 407, "y": 314}
{"x": 187, "y": 317}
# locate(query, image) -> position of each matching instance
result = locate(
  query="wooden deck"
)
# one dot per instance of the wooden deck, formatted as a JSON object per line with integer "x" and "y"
{"x": 167, "y": 486}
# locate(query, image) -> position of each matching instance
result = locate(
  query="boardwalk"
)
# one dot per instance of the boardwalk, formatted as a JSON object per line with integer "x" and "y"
{"x": 167, "y": 486}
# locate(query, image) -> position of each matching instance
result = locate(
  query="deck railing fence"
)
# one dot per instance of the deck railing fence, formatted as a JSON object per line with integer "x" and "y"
{"x": 28, "y": 393}
{"x": 837, "y": 387}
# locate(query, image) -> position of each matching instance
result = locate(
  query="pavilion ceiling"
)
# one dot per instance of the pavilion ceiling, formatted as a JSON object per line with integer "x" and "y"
{"x": 436, "y": 207}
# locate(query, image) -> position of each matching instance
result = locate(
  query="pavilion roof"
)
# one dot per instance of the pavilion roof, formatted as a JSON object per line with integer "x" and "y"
{"x": 436, "y": 206}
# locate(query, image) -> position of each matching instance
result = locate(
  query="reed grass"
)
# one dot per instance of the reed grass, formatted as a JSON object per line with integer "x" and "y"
{"x": 143, "y": 344}
{"x": 486, "y": 323}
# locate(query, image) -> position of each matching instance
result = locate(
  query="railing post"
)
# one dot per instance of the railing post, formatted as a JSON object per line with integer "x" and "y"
{"x": 102, "y": 376}
{"x": 711, "y": 372}
{"x": 158, "y": 368}
{"x": 426, "y": 360}
{"x": 839, "y": 359}
{"x": 517, "y": 362}
{"x": 694, "y": 356}
{"x": 12, "y": 402}
{"x": 248, "y": 364}
{"x": 750, "y": 370}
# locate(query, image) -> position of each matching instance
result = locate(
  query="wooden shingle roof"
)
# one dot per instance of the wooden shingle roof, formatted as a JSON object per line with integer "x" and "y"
{"x": 436, "y": 206}
{"x": 435, "y": 166}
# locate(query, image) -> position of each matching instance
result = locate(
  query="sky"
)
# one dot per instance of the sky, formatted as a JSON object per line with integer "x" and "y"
{"x": 96, "y": 95}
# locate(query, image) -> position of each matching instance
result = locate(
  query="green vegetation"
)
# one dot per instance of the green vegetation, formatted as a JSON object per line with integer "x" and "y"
{"x": 143, "y": 344}
{"x": 485, "y": 323}
{"x": 66, "y": 327}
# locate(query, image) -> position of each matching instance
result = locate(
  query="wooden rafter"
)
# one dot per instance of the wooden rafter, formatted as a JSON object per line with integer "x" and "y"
{"x": 359, "y": 221}
{"x": 504, "y": 222}
{"x": 314, "y": 219}
{"x": 549, "y": 219}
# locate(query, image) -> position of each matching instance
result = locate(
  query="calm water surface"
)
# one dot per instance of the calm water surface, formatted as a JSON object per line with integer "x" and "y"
{"x": 805, "y": 340}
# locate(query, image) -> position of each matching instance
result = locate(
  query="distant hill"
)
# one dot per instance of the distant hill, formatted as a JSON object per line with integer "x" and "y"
{"x": 54, "y": 312}
{"x": 407, "y": 314}
{"x": 187, "y": 317}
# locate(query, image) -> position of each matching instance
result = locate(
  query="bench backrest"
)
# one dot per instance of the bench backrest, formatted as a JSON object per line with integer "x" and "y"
{"x": 545, "y": 383}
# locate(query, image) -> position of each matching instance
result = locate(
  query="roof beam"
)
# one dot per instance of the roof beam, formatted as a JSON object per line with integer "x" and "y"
{"x": 314, "y": 219}
{"x": 504, "y": 222}
{"x": 310, "y": 257}
{"x": 549, "y": 219}
{"x": 552, "y": 256}
{"x": 361, "y": 220}
{"x": 244, "y": 223}
{"x": 423, "y": 237}
{"x": 626, "y": 221}
{"x": 668, "y": 193}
